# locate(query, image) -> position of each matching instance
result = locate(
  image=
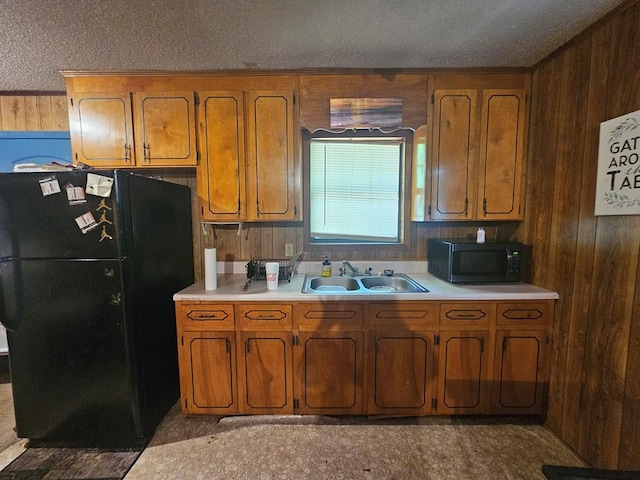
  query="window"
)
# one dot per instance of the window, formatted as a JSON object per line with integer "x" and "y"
{"x": 356, "y": 188}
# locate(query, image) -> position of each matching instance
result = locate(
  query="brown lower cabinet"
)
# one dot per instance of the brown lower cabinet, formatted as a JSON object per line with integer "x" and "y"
{"x": 329, "y": 367}
{"x": 355, "y": 358}
{"x": 464, "y": 383}
{"x": 265, "y": 380}
{"x": 210, "y": 385}
{"x": 400, "y": 373}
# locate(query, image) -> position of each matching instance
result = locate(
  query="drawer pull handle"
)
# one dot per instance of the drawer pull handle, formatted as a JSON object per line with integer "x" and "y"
{"x": 466, "y": 314}
{"x": 202, "y": 316}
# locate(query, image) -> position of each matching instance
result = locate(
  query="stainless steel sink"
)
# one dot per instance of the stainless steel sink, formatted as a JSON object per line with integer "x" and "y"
{"x": 332, "y": 284}
{"x": 396, "y": 283}
{"x": 393, "y": 283}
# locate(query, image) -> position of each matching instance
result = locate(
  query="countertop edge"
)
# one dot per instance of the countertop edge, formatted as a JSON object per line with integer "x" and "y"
{"x": 230, "y": 290}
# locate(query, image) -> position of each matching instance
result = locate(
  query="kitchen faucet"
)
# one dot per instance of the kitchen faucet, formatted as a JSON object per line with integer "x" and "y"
{"x": 345, "y": 264}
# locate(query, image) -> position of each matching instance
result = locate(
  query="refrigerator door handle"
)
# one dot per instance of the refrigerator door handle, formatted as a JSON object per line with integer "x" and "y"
{"x": 10, "y": 309}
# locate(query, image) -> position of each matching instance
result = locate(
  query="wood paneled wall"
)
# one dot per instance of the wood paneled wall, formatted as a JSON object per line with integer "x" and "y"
{"x": 593, "y": 262}
{"x": 34, "y": 112}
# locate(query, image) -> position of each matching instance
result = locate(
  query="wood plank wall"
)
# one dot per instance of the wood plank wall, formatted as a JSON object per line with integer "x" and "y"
{"x": 593, "y": 262}
{"x": 34, "y": 112}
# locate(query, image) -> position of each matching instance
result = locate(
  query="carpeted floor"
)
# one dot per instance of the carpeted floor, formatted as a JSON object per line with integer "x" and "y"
{"x": 350, "y": 448}
{"x": 327, "y": 448}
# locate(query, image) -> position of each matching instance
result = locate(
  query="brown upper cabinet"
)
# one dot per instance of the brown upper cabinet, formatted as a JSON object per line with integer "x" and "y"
{"x": 240, "y": 131}
{"x": 475, "y": 148}
{"x": 123, "y": 129}
{"x": 249, "y": 169}
{"x": 243, "y": 133}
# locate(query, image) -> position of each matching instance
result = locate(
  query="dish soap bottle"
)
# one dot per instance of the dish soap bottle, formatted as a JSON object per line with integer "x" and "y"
{"x": 326, "y": 267}
{"x": 480, "y": 235}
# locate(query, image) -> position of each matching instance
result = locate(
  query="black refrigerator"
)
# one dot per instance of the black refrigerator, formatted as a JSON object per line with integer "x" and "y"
{"x": 89, "y": 263}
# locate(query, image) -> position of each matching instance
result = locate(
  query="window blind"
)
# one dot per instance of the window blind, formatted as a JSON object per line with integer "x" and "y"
{"x": 355, "y": 189}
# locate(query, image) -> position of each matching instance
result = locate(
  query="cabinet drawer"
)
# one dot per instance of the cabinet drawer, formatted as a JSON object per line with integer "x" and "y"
{"x": 467, "y": 314}
{"x": 276, "y": 316}
{"x": 525, "y": 314}
{"x": 204, "y": 316}
{"x": 329, "y": 317}
{"x": 405, "y": 315}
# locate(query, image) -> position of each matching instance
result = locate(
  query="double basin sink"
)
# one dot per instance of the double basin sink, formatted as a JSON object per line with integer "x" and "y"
{"x": 396, "y": 283}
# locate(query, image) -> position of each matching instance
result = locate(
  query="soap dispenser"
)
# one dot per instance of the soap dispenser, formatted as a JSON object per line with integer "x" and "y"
{"x": 326, "y": 267}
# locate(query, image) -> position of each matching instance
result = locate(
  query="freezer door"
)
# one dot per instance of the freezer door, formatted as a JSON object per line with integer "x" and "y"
{"x": 70, "y": 364}
{"x": 39, "y": 220}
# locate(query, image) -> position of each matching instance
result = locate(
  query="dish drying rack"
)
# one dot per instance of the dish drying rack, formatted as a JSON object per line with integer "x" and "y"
{"x": 256, "y": 268}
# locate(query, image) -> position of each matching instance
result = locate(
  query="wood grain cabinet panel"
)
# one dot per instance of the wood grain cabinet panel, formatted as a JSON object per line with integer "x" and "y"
{"x": 525, "y": 314}
{"x": 275, "y": 317}
{"x": 477, "y": 148}
{"x": 520, "y": 383}
{"x": 165, "y": 129}
{"x": 110, "y": 130}
{"x": 402, "y": 316}
{"x": 400, "y": 372}
{"x": 329, "y": 368}
{"x": 265, "y": 385}
{"x": 464, "y": 372}
{"x": 205, "y": 317}
{"x": 332, "y": 316}
{"x": 249, "y": 169}
{"x": 101, "y": 129}
{"x": 467, "y": 314}
{"x": 501, "y": 154}
{"x": 208, "y": 373}
{"x": 455, "y": 154}
{"x": 273, "y": 174}
{"x": 222, "y": 172}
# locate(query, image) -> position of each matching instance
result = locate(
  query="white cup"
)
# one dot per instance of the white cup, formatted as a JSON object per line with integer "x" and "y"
{"x": 272, "y": 269}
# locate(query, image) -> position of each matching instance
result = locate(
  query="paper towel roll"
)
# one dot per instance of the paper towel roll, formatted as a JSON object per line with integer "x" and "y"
{"x": 210, "y": 269}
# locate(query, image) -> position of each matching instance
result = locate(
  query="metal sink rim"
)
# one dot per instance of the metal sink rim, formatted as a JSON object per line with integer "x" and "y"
{"x": 361, "y": 281}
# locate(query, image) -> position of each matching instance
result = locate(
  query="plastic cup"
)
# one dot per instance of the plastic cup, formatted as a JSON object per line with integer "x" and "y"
{"x": 271, "y": 270}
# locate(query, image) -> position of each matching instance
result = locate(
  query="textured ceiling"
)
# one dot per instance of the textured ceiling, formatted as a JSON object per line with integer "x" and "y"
{"x": 40, "y": 37}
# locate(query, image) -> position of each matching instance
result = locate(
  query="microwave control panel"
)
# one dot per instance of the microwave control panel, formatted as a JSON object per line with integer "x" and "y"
{"x": 515, "y": 262}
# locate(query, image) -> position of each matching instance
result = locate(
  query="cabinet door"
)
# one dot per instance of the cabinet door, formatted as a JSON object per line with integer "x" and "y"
{"x": 165, "y": 129}
{"x": 501, "y": 154}
{"x": 208, "y": 373}
{"x": 273, "y": 174}
{"x": 519, "y": 375}
{"x": 266, "y": 373}
{"x": 400, "y": 372}
{"x": 222, "y": 171}
{"x": 463, "y": 372}
{"x": 455, "y": 151}
{"x": 101, "y": 129}
{"x": 329, "y": 373}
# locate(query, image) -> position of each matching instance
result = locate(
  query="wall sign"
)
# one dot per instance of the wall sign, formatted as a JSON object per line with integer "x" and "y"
{"x": 618, "y": 181}
{"x": 365, "y": 112}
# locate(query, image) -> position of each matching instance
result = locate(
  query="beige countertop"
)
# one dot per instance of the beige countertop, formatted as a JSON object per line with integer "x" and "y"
{"x": 230, "y": 287}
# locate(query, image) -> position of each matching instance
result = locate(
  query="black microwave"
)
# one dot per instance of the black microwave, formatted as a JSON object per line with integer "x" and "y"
{"x": 466, "y": 261}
